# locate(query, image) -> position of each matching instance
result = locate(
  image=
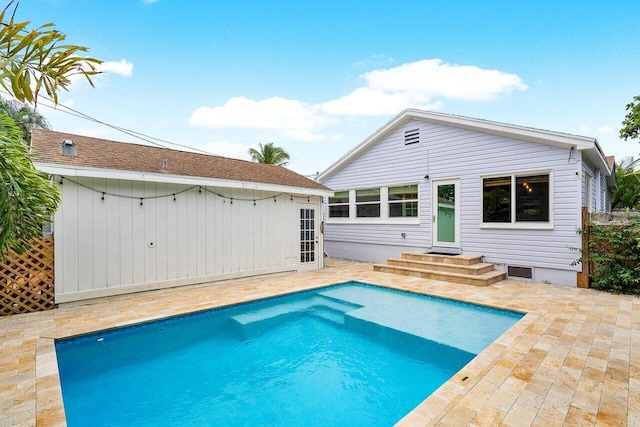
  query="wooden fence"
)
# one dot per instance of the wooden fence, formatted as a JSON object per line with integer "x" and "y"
{"x": 583, "y": 277}
{"x": 26, "y": 281}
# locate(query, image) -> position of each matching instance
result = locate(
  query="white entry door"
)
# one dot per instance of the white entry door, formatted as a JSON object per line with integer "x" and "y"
{"x": 446, "y": 213}
{"x": 309, "y": 238}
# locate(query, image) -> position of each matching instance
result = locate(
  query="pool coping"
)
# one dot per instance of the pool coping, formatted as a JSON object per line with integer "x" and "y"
{"x": 520, "y": 379}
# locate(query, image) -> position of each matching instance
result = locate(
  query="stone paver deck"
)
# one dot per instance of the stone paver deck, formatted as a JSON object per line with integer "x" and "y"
{"x": 574, "y": 359}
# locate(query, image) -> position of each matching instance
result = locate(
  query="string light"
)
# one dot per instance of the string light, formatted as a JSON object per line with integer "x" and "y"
{"x": 103, "y": 194}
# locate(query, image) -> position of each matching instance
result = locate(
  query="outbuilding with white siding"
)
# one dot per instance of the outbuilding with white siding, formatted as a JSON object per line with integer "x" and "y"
{"x": 435, "y": 182}
{"x": 136, "y": 217}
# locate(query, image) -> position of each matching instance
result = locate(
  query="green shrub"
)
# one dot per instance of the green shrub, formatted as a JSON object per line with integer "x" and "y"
{"x": 614, "y": 251}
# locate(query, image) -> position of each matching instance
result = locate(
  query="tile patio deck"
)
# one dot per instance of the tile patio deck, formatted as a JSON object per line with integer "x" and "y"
{"x": 574, "y": 359}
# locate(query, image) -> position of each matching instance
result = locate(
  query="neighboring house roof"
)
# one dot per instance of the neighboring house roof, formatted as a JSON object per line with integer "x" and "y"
{"x": 592, "y": 150}
{"x": 94, "y": 154}
{"x": 611, "y": 161}
{"x": 611, "y": 179}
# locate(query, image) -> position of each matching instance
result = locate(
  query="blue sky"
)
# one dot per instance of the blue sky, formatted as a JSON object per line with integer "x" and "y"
{"x": 317, "y": 78}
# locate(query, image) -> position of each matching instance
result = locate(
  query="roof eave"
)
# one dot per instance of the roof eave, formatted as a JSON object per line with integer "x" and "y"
{"x": 558, "y": 139}
{"x": 79, "y": 171}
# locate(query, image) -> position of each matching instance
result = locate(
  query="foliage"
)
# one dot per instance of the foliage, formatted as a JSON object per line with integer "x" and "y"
{"x": 627, "y": 195}
{"x": 27, "y": 198}
{"x": 32, "y": 60}
{"x": 269, "y": 154}
{"x": 614, "y": 250}
{"x": 631, "y": 123}
{"x": 24, "y": 116}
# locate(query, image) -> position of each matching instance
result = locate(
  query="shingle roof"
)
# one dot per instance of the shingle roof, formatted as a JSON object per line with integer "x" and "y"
{"x": 611, "y": 160}
{"x": 105, "y": 154}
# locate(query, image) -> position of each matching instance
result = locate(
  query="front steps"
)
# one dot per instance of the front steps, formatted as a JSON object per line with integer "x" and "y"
{"x": 464, "y": 269}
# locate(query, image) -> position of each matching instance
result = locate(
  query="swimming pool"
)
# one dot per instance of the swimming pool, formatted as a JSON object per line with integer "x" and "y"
{"x": 349, "y": 354}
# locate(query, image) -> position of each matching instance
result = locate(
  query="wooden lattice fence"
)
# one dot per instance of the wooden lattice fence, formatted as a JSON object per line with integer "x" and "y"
{"x": 26, "y": 281}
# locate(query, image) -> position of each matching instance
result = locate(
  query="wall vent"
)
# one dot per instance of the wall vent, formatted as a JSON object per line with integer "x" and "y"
{"x": 520, "y": 272}
{"x": 411, "y": 136}
{"x": 68, "y": 148}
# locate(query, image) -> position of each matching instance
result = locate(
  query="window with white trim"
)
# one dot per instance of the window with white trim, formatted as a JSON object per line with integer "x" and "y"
{"x": 403, "y": 201}
{"x": 516, "y": 199}
{"x": 396, "y": 204}
{"x": 368, "y": 203}
{"x": 339, "y": 205}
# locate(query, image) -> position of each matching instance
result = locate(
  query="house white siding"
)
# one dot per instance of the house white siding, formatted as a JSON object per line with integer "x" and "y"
{"x": 116, "y": 245}
{"x": 600, "y": 197}
{"x": 447, "y": 152}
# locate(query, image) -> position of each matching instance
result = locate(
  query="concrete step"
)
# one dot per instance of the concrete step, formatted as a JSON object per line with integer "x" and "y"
{"x": 473, "y": 269}
{"x": 443, "y": 259}
{"x": 484, "y": 279}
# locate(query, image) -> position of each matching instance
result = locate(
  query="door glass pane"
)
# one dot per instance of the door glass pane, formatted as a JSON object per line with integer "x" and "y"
{"x": 307, "y": 236}
{"x": 446, "y": 213}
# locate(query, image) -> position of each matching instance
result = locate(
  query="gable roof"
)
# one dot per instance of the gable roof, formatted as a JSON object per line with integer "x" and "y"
{"x": 94, "y": 154}
{"x": 593, "y": 152}
{"x": 611, "y": 161}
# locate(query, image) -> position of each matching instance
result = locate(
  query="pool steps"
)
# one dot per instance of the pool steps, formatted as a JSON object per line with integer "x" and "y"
{"x": 463, "y": 269}
{"x": 396, "y": 313}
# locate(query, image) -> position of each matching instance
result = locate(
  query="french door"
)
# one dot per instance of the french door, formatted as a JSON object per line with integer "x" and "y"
{"x": 309, "y": 238}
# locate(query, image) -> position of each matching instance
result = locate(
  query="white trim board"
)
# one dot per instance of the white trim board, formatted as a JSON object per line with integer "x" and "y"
{"x": 54, "y": 169}
{"x": 592, "y": 149}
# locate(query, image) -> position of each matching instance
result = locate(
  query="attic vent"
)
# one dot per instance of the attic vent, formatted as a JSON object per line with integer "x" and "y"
{"x": 411, "y": 136}
{"x": 68, "y": 148}
{"x": 521, "y": 272}
{"x": 165, "y": 164}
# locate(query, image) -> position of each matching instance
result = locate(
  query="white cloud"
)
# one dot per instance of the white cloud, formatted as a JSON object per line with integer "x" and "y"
{"x": 383, "y": 59}
{"x": 228, "y": 149}
{"x": 416, "y": 84}
{"x": 423, "y": 84}
{"x": 432, "y": 77}
{"x": 288, "y": 116}
{"x": 584, "y": 130}
{"x": 367, "y": 101}
{"x": 122, "y": 67}
{"x": 605, "y": 129}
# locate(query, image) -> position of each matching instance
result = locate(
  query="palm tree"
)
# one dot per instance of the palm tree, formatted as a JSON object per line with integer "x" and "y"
{"x": 269, "y": 154}
{"x": 24, "y": 116}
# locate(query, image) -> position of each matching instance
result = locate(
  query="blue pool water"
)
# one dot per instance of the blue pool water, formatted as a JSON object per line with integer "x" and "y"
{"x": 350, "y": 354}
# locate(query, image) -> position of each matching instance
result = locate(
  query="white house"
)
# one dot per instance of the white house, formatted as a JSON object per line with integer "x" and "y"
{"x": 510, "y": 193}
{"x": 136, "y": 217}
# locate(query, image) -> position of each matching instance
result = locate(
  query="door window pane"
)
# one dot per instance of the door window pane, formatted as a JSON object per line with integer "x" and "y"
{"x": 447, "y": 213}
{"x": 307, "y": 235}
